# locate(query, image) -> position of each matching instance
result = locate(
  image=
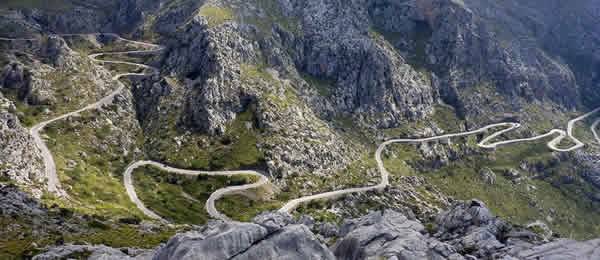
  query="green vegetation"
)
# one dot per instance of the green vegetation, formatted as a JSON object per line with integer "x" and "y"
{"x": 147, "y": 31}
{"x": 28, "y": 114}
{"x": 168, "y": 142}
{"x": 178, "y": 198}
{"x": 123, "y": 236}
{"x": 123, "y": 68}
{"x": 446, "y": 118}
{"x": 271, "y": 14}
{"x": 236, "y": 149}
{"x": 355, "y": 175}
{"x": 258, "y": 75}
{"x": 324, "y": 87}
{"x": 531, "y": 198}
{"x": 319, "y": 211}
{"x": 583, "y": 133}
{"x": 26, "y": 236}
{"x": 216, "y": 15}
{"x": 242, "y": 208}
{"x": 90, "y": 160}
{"x": 85, "y": 47}
{"x": 76, "y": 87}
{"x": 90, "y": 156}
{"x": 541, "y": 119}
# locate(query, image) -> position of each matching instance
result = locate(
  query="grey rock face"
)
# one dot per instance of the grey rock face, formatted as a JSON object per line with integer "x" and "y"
{"x": 466, "y": 231}
{"x": 513, "y": 174}
{"x": 94, "y": 253}
{"x": 488, "y": 176}
{"x": 483, "y": 54}
{"x": 14, "y": 202}
{"x": 219, "y": 240}
{"x": 590, "y": 163}
{"x": 505, "y": 51}
{"x": 35, "y": 80}
{"x": 389, "y": 235}
{"x": 273, "y": 222}
{"x": 57, "y": 52}
{"x": 210, "y": 58}
{"x": 371, "y": 78}
{"x": 79, "y": 17}
{"x": 16, "y": 77}
{"x": 471, "y": 227}
{"x": 21, "y": 160}
{"x": 213, "y": 64}
{"x": 564, "y": 249}
{"x": 87, "y": 18}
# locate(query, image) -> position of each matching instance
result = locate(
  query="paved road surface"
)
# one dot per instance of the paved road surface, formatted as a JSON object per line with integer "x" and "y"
{"x": 210, "y": 203}
{"x": 485, "y": 143}
{"x": 53, "y": 182}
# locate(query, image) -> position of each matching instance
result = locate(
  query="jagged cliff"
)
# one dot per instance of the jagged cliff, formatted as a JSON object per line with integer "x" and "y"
{"x": 20, "y": 160}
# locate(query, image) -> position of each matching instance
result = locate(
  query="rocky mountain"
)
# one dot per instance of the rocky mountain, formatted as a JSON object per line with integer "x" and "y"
{"x": 303, "y": 92}
{"x": 467, "y": 231}
{"x": 516, "y": 49}
{"x": 20, "y": 161}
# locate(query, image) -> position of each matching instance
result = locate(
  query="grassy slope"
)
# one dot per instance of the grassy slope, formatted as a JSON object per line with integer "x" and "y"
{"x": 575, "y": 216}
{"x": 95, "y": 182}
{"x": 522, "y": 203}
{"x": 323, "y": 87}
{"x": 65, "y": 83}
{"x": 355, "y": 175}
{"x": 235, "y": 150}
{"x": 242, "y": 208}
{"x": 272, "y": 15}
{"x": 216, "y": 15}
{"x": 22, "y": 241}
{"x": 162, "y": 192}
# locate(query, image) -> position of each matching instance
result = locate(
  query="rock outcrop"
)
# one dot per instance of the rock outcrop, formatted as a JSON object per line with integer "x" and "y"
{"x": 466, "y": 231}
{"x": 372, "y": 80}
{"x": 563, "y": 249}
{"x": 590, "y": 164}
{"x": 17, "y": 78}
{"x": 245, "y": 241}
{"x": 94, "y": 253}
{"x": 211, "y": 59}
{"x": 368, "y": 78}
{"x": 503, "y": 54}
{"x": 471, "y": 228}
{"x": 219, "y": 68}
{"x": 389, "y": 235}
{"x": 21, "y": 160}
{"x": 16, "y": 203}
{"x": 77, "y": 17}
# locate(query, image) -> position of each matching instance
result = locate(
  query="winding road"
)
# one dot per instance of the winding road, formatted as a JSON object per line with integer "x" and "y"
{"x": 53, "y": 182}
{"x": 487, "y": 143}
{"x": 210, "y": 203}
